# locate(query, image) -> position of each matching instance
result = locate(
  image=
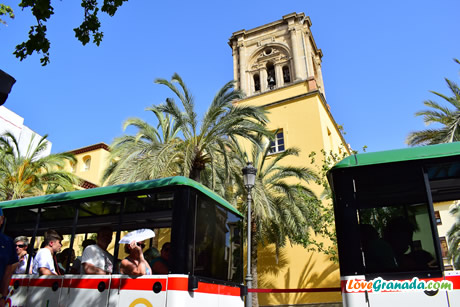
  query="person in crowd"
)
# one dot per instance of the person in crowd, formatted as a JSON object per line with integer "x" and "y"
{"x": 135, "y": 263}
{"x": 22, "y": 243}
{"x": 76, "y": 265}
{"x": 45, "y": 261}
{"x": 8, "y": 262}
{"x": 65, "y": 257}
{"x": 160, "y": 264}
{"x": 151, "y": 254}
{"x": 95, "y": 258}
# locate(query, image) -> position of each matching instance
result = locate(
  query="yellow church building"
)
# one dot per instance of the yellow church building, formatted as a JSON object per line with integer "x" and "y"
{"x": 278, "y": 67}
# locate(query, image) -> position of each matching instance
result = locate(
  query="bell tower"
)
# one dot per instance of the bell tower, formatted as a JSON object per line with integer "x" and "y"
{"x": 276, "y": 55}
{"x": 278, "y": 67}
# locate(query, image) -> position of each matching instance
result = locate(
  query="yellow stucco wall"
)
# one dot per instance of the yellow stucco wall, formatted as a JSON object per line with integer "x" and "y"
{"x": 447, "y": 221}
{"x": 99, "y": 161}
{"x": 308, "y": 125}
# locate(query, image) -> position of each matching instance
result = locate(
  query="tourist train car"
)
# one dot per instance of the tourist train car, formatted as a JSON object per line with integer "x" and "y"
{"x": 388, "y": 242}
{"x": 205, "y": 265}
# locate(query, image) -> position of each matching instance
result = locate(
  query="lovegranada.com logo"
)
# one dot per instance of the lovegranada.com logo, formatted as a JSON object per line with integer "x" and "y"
{"x": 379, "y": 284}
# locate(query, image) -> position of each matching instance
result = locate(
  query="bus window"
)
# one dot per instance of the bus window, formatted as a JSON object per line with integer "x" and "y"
{"x": 217, "y": 242}
{"x": 397, "y": 239}
{"x": 395, "y": 229}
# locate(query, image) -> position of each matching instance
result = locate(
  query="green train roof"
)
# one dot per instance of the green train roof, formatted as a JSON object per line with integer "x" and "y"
{"x": 115, "y": 189}
{"x": 400, "y": 155}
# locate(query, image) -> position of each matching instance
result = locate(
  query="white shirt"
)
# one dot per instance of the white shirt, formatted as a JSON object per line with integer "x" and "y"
{"x": 43, "y": 259}
{"x": 98, "y": 257}
{"x": 22, "y": 266}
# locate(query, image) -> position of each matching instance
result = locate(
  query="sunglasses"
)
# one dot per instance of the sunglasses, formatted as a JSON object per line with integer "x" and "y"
{"x": 21, "y": 245}
{"x": 141, "y": 245}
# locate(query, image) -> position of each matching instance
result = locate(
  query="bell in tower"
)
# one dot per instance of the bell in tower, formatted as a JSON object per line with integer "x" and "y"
{"x": 276, "y": 55}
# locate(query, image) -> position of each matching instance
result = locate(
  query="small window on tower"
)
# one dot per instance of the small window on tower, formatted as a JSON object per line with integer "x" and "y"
{"x": 86, "y": 163}
{"x": 437, "y": 217}
{"x": 277, "y": 144}
{"x": 286, "y": 74}
{"x": 256, "y": 83}
{"x": 271, "y": 79}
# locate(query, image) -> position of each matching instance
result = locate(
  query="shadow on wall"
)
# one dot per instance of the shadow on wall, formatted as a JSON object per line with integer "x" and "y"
{"x": 284, "y": 275}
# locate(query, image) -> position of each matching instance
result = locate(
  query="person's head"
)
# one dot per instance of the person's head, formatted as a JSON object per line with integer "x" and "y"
{"x": 21, "y": 243}
{"x": 88, "y": 242}
{"x": 165, "y": 250}
{"x": 67, "y": 255}
{"x": 53, "y": 240}
{"x": 128, "y": 248}
{"x": 151, "y": 254}
{"x": 398, "y": 233}
{"x": 104, "y": 237}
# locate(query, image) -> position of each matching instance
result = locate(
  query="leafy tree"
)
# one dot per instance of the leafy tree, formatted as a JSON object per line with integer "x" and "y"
{"x": 280, "y": 207}
{"x": 28, "y": 174}
{"x": 181, "y": 144}
{"x": 453, "y": 237}
{"x": 150, "y": 154}
{"x": 202, "y": 141}
{"x": 42, "y": 11}
{"x": 5, "y": 10}
{"x": 449, "y": 119}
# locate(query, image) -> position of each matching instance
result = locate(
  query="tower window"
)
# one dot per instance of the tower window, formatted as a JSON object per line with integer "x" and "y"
{"x": 256, "y": 83}
{"x": 277, "y": 144}
{"x": 271, "y": 79}
{"x": 286, "y": 74}
{"x": 437, "y": 217}
{"x": 444, "y": 247}
{"x": 86, "y": 163}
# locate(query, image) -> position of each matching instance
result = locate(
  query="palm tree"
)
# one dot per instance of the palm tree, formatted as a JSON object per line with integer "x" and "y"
{"x": 150, "y": 154}
{"x": 204, "y": 140}
{"x": 447, "y": 118}
{"x": 280, "y": 209}
{"x": 28, "y": 174}
{"x": 453, "y": 237}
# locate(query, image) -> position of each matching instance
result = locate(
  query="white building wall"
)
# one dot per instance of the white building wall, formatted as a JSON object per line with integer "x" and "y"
{"x": 12, "y": 122}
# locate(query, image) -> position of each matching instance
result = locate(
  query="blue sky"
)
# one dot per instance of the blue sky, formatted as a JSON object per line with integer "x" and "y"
{"x": 381, "y": 59}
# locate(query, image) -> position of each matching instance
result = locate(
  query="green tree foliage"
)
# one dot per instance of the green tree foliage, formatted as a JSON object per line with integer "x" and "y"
{"x": 203, "y": 140}
{"x": 187, "y": 145}
{"x": 323, "y": 217}
{"x": 6, "y": 10}
{"x": 42, "y": 10}
{"x": 28, "y": 174}
{"x": 453, "y": 237}
{"x": 449, "y": 119}
{"x": 150, "y": 154}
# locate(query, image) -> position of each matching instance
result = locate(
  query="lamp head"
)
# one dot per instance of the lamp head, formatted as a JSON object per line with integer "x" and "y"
{"x": 249, "y": 175}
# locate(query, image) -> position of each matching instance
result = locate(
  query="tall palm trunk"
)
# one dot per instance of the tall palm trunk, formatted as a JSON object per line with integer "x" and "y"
{"x": 195, "y": 174}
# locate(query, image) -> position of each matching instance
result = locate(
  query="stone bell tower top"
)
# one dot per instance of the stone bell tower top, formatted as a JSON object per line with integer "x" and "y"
{"x": 276, "y": 55}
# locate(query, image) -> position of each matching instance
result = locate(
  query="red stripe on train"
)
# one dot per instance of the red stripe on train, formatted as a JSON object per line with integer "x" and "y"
{"x": 145, "y": 284}
{"x": 141, "y": 284}
{"x": 455, "y": 281}
{"x": 181, "y": 284}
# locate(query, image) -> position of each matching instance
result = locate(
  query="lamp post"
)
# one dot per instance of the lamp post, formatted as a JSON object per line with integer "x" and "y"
{"x": 249, "y": 177}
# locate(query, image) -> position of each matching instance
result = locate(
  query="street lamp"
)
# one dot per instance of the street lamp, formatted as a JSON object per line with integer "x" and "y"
{"x": 249, "y": 177}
